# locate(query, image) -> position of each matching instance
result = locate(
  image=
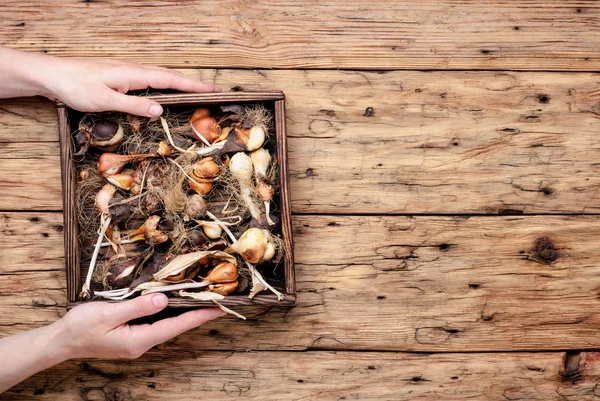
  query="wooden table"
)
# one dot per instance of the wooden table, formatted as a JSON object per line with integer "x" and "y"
{"x": 445, "y": 177}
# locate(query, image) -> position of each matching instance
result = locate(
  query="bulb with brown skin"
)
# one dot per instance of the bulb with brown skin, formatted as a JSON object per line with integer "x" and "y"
{"x": 223, "y": 289}
{"x": 252, "y": 245}
{"x": 195, "y": 207}
{"x": 206, "y": 128}
{"x": 112, "y": 163}
{"x": 244, "y": 139}
{"x": 224, "y": 272}
{"x": 164, "y": 149}
{"x": 149, "y": 232}
{"x": 121, "y": 272}
{"x": 206, "y": 168}
{"x": 201, "y": 186}
{"x": 266, "y": 191}
{"x": 201, "y": 112}
{"x": 123, "y": 181}
{"x": 106, "y": 133}
{"x": 103, "y": 198}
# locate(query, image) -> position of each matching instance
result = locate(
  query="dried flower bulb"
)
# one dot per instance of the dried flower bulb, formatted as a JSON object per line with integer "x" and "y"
{"x": 223, "y": 289}
{"x": 205, "y": 168}
{"x": 252, "y": 245}
{"x": 266, "y": 191}
{"x": 106, "y": 133}
{"x": 164, "y": 149}
{"x": 212, "y": 230}
{"x": 149, "y": 231}
{"x": 241, "y": 168}
{"x": 121, "y": 272}
{"x": 112, "y": 163}
{"x": 270, "y": 251}
{"x": 123, "y": 181}
{"x": 261, "y": 159}
{"x": 224, "y": 272}
{"x": 103, "y": 198}
{"x": 224, "y": 134}
{"x": 244, "y": 139}
{"x": 201, "y": 186}
{"x": 197, "y": 238}
{"x": 83, "y": 175}
{"x": 201, "y": 112}
{"x": 206, "y": 129}
{"x": 195, "y": 207}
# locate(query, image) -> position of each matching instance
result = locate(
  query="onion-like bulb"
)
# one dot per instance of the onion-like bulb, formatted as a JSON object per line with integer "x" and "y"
{"x": 224, "y": 272}
{"x": 164, "y": 149}
{"x": 212, "y": 230}
{"x": 252, "y": 245}
{"x": 206, "y": 168}
{"x": 261, "y": 159}
{"x": 200, "y": 186}
{"x": 195, "y": 207}
{"x": 112, "y": 163}
{"x": 106, "y": 133}
{"x": 244, "y": 139}
{"x": 241, "y": 169}
{"x": 103, "y": 198}
{"x": 206, "y": 130}
{"x": 223, "y": 289}
{"x": 149, "y": 231}
{"x": 201, "y": 112}
{"x": 123, "y": 181}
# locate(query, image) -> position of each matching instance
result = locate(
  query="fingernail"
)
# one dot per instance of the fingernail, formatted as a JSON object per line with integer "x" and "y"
{"x": 160, "y": 301}
{"x": 155, "y": 110}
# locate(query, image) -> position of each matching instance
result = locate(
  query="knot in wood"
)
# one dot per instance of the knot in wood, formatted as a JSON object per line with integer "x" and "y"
{"x": 544, "y": 250}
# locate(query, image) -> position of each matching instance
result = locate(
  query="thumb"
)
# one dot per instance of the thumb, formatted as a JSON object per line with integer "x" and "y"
{"x": 139, "y": 307}
{"x": 137, "y": 105}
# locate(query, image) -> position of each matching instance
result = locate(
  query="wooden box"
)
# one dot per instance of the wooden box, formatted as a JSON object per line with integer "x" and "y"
{"x": 275, "y": 101}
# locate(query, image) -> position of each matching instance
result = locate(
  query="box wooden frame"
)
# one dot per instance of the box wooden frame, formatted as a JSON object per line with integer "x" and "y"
{"x": 72, "y": 254}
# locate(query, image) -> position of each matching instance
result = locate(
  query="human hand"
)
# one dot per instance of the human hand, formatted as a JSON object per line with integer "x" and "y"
{"x": 100, "y": 329}
{"x": 93, "y": 85}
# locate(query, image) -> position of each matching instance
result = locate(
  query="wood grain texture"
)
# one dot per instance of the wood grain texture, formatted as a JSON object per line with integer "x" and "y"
{"x": 443, "y": 142}
{"x": 391, "y": 283}
{"x": 488, "y": 35}
{"x": 193, "y": 375}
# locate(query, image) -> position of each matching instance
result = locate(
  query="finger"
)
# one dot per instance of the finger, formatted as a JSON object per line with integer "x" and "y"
{"x": 139, "y": 307}
{"x": 164, "y": 78}
{"x": 166, "y": 329}
{"x": 137, "y": 105}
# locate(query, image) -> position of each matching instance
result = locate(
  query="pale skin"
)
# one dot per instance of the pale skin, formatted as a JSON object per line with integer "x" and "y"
{"x": 95, "y": 329}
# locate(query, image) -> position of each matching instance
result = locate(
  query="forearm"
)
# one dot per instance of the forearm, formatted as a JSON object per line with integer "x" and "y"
{"x": 21, "y": 73}
{"x": 25, "y": 354}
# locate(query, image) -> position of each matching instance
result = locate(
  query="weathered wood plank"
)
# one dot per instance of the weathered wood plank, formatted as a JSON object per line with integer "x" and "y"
{"x": 443, "y": 142}
{"x": 488, "y": 35}
{"x": 192, "y": 374}
{"x": 394, "y": 283}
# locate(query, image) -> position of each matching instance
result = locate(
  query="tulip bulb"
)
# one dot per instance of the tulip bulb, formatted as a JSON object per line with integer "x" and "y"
{"x": 244, "y": 139}
{"x": 241, "y": 168}
{"x": 224, "y": 272}
{"x": 199, "y": 113}
{"x": 270, "y": 251}
{"x": 206, "y": 168}
{"x": 106, "y": 133}
{"x": 223, "y": 289}
{"x": 112, "y": 163}
{"x": 252, "y": 245}
{"x": 212, "y": 230}
{"x": 103, "y": 198}
{"x": 164, "y": 149}
{"x": 200, "y": 186}
{"x": 123, "y": 181}
{"x": 195, "y": 207}
{"x": 261, "y": 159}
{"x": 149, "y": 231}
{"x": 206, "y": 130}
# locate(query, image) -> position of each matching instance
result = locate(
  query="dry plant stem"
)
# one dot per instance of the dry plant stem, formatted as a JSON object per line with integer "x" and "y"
{"x": 122, "y": 242}
{"x": 209, "y": 149}
{"x": 227, "y": 310}
{"x": 174, "y": 287}
{"x": 183, "y": 171}
{"x": 169, "y": 137}
{"x": 268, "y": 212}
{"x": 256, "y": 275}
{"x": 222, "y": 225}
{"x": 85, "y": 291}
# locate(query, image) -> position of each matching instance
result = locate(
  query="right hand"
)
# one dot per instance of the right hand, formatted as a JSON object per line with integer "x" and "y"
{"x": 100, "y": 329}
